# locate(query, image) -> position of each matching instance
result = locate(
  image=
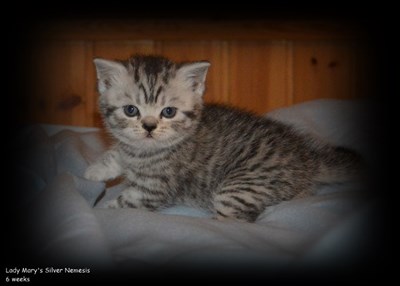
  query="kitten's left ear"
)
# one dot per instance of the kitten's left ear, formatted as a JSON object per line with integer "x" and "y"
{"x": 195, "y": 75}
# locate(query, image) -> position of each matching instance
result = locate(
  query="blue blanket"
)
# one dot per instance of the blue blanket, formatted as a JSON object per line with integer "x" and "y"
{"x": 71, "y": 227}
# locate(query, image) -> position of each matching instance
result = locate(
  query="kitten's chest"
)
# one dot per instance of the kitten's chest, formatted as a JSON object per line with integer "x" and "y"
{"x": 156, "y": 171}
{"x": 135, "y": 168}
{"x": 176, "y": 172}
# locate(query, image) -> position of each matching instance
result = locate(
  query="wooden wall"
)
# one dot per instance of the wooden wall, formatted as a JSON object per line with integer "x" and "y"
{"x": 255, "y": 65}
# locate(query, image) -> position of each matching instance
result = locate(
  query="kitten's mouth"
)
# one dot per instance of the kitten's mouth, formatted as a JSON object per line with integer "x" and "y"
{"x": 149, "y": 135}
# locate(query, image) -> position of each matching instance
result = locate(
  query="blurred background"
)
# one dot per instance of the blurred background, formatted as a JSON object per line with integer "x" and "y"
{"x": 256, "y": 64}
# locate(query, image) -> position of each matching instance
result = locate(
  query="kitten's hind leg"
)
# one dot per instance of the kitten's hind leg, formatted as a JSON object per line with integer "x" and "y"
{"x": 244, "y": 204}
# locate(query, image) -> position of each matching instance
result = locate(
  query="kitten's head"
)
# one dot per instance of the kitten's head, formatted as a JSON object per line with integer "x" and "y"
{"x": 150, "y": 102}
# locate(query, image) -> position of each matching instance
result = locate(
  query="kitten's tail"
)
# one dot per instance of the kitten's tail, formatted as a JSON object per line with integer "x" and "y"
{"x": 340, "y": 164}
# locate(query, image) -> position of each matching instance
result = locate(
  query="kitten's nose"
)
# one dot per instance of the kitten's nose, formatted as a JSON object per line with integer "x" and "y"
{"x": 149, "y": 127}
{"x": 149, "y": 123}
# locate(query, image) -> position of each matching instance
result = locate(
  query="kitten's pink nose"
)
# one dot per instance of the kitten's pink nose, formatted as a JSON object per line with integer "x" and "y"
{"x": 149, "y": 123}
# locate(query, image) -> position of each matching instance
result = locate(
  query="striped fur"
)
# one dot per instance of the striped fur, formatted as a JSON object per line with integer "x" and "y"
{"x": 215, "y": 157}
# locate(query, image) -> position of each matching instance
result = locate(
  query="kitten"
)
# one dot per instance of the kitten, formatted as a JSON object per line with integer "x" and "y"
{"x": 171, "y": 148}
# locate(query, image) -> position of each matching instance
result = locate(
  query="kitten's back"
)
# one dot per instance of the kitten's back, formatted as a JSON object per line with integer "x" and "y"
{"x": 235, "y": 129}
{"x": 251, "y": 162}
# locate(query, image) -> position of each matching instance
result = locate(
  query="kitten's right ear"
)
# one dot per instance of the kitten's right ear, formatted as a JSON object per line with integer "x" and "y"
{"x": 108, "y": 73}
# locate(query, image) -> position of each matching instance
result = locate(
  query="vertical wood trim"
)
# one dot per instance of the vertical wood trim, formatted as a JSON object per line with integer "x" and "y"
{"x": 225, "y": 78}
{"x": 259, "y": 75}
{"x": 289, "y": 76}
{"x": 75, "y": 88}
{"x": 90, "y": 88}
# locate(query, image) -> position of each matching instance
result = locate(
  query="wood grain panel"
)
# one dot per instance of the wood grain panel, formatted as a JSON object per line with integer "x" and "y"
{"x": 59, "y": 81}
{"x": 212, "y": 51}
{"x": 260, "y": 75}
{"x": 121, "y": 49}
{"x": 323, "y": 70}
{"x": 255, "y": 75}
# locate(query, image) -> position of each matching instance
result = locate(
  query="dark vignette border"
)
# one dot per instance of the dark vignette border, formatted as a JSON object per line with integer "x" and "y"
{"x": 378, "y": 25}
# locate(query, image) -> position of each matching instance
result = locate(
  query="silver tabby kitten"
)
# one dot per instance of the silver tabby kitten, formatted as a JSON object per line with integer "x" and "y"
{"x": 172, "y": 148}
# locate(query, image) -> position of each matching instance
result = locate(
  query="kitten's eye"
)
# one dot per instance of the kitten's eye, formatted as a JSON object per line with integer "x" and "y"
{"x": 168, "y": 112}
{"x": 131, "y": 110}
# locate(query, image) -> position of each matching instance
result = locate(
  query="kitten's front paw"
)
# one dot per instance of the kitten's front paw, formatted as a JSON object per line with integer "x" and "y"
{"x": 96, "y": 173}
{"x": 113, "y": 204}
